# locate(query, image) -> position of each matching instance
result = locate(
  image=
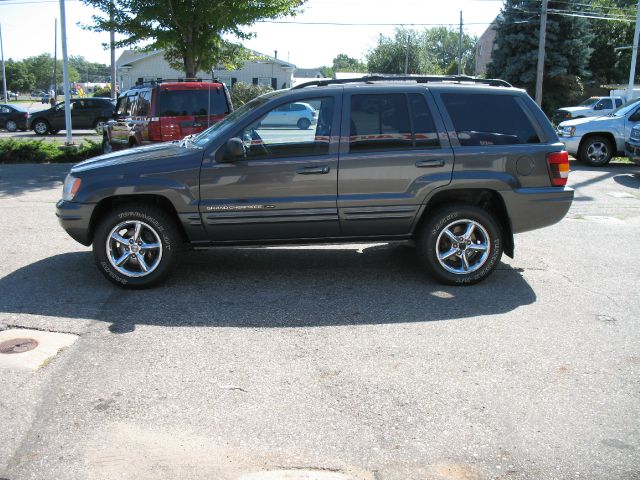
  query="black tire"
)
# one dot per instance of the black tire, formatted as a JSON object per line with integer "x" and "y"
{"x": 432, "y": 241}
{"x": 155, "y": 225}
{"x": 99, "y": 125}
{"x": 41, "y": 127}
{"x": 11, "y": 126}
{"x": 595, "y": 151}
{"x": 303, "y": 123}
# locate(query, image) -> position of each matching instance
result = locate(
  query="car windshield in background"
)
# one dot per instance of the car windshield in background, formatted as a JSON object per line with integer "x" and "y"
{"x": 588, "y": 102}
{"x": 205, "y": 137}
{"x": 181, "y": 103}
{"x": 626, "y": 108}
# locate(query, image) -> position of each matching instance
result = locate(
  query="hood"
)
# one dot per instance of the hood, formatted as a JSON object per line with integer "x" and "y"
{"x": 140, "y": 154}
{"x": 574, "y": 109}
{"x": 580, "y": 121}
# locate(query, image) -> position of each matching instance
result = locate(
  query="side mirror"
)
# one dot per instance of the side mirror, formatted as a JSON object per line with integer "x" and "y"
{"x": 233, "y": 149}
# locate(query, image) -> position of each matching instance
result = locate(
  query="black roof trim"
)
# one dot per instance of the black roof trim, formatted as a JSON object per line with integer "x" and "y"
{"x": 493, "y": 82}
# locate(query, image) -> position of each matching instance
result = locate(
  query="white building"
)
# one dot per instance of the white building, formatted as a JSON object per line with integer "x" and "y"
{"x": 135, "y": 67}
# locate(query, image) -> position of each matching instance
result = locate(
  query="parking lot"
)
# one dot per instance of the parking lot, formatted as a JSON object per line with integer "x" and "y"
{"x": 344, "y": 360}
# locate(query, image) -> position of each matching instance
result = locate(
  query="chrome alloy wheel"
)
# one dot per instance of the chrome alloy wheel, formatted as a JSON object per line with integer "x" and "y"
{"x": 463, "y": 247}
{"x": 134, "y": 248}
{"x": 597, "y": 152}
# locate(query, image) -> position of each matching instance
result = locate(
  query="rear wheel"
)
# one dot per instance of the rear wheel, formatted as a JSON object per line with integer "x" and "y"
{"x": 99, "y": 125}
{"x": 11, "y": 126}
{"x": 303, "y": 123}
{"x": 460, "y": 244}
{"x": 136, "y": 246}
{"x": 41, "y": 127}
{"x": 596, "y": 151}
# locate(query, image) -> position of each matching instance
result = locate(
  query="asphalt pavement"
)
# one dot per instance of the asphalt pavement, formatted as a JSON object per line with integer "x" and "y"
{"x": 327, "y": 362}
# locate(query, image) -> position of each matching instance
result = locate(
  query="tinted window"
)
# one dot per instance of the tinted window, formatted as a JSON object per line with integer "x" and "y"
{"x": 266, "y": 139}
{"x": 481, "y": 119}
{"x": 178, "y": 103}
{"x": 298, "y": 107}
{"x": 5, "y": 110}
{"x": 618, "y": 102}
{"x": 606, "y": 103}
{"x": 125, "y": 102}
{"x": 379, "y": 122}
{"x": 423, "y": 126}
{"x": 143, "y": 104}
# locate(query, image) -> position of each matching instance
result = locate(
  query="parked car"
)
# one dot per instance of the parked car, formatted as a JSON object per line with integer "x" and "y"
{"x": 86, "y": 113}
{"x": 591, "y": 107}
{"x": 299, "y": 114}
{"x": 12, "y": 95}
{"x": 595, "y": 141}
{"x": 165, "y": 111}
{"x": 457, "y": 164}
{"x": 632, "y": 145}
{"x": 13, "y": 118}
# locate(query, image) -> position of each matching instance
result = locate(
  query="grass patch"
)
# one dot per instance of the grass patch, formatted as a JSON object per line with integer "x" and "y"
{"x": 40, "y": 151}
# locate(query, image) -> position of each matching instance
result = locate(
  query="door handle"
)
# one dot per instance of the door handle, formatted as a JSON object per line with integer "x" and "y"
{"x": 439, "y": 162}
{"x": 313, "y": 170}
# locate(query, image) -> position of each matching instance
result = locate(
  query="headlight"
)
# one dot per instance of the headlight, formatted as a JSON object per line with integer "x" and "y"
{"x": 567, "y": 131}
{"x": 70, "y": 187}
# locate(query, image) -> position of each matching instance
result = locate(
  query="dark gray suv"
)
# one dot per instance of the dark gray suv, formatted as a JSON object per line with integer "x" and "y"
{"x": 454, "y": 163}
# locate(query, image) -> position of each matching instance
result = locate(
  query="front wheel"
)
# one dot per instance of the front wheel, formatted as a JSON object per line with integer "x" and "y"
{"x": 136, "y": 246}
{"x": 595, "y": 151}
{"x": 460, "y": 244}
{"x": 99, "y": 125}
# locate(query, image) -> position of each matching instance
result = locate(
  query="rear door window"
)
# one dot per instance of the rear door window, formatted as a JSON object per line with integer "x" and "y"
{"x": 485, "y": 119}
{"x": 182, "y": 103}
{"x": 379, "y": 122}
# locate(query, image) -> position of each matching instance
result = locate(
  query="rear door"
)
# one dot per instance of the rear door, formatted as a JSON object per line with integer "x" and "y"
{"x": 394, "y": 152}
{"x": 121, "y": 126}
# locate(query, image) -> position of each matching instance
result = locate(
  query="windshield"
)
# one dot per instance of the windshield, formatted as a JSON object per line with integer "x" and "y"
{"x": 626, "y": 108}
{"x": 588, "y": 102}
{"x": 210, "y": 133}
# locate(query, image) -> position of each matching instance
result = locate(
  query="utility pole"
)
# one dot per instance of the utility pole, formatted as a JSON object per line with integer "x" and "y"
{"x": 541, "y": 45}
{"x": 460, "y": 47}
{"x": 406, "y": 56}
{"x": 634, "y": 56}
{"x": 55, "y": 61}
{"x": 112, "y": 43}
{"x": 4, "y": 75}
{"x": 65, "y": 74}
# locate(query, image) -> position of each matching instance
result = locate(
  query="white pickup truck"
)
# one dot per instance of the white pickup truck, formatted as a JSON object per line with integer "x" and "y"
{"x": 591, "y": 107}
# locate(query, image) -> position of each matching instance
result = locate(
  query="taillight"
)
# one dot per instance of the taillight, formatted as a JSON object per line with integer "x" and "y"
{"x": 314, "y": 114}
{"x": 155, "y": 131}
{"x": 558, "y": 168}
{"x": 25, "y": 115}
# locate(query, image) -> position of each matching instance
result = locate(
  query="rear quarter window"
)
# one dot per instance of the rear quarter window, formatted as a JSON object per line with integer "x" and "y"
{"x": 482, "y": 119}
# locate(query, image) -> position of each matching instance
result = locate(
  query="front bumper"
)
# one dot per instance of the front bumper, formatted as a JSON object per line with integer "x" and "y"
{"x": 75, "y": 218}
{"x": 532, "y": 208}
{"x": 632, "y": 151}
{"x": 571, "y": 144}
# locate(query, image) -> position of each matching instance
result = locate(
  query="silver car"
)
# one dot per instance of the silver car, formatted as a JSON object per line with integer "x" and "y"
{"x": 299, "y": 114}
{"x": 595, "y": 141}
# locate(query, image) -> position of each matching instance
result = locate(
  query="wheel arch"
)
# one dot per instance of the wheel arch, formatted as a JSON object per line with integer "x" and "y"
{"x": 487, "y": 199}
{"x": 107, "y": 204}
{"x": 608, "y": 135}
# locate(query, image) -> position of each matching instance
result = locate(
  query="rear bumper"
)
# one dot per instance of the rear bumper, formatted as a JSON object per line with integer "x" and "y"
{"x": 75, "y": 218}
{"x": 532, "y": 208}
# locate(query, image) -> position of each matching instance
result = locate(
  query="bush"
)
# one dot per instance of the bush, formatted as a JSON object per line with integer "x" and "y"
{"x": 102, "y": 92}
{"x": 242, "y": 93}
{"x": 40, "y": 151}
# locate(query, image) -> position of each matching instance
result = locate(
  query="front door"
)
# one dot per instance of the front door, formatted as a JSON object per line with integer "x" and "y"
{"x": 284, "y": 186}
{"x": 394, "y": 152}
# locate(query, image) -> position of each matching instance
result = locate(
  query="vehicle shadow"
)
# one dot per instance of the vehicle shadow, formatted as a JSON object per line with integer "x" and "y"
{"x": 263, "y": 288}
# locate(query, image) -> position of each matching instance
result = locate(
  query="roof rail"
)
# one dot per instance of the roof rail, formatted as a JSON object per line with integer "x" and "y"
{"x": 493, "y": 82}
{"x": 160, "y": 80}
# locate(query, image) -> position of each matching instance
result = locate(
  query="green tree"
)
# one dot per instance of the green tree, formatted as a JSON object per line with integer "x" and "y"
{"x": 192, "y": 33}
{"x": 41, "y": 68}
{"x": 433, "y": 51}
{"x": 567, "y": 53}
{"x": 242, "y": 93}
{"x": 344, "y": 63}
{"x": 19, "y": 79}
{"x": 90, "y": 71}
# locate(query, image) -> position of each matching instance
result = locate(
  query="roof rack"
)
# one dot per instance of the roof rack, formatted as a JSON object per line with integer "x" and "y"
{"x": 493, "y": 82}
{"x": 159, "y": 80}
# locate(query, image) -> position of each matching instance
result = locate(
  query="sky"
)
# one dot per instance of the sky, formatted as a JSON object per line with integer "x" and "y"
{"x": 28, "y": 27}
